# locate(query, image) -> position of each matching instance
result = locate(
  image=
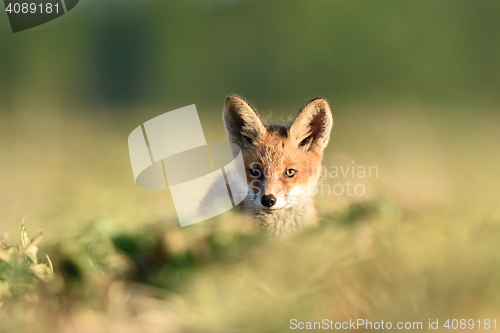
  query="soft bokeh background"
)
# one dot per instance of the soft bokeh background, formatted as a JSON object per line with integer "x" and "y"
{"x": 414, "y": 89}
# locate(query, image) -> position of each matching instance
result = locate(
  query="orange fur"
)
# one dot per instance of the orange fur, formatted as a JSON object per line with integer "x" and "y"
{"x": 271, "y": 153}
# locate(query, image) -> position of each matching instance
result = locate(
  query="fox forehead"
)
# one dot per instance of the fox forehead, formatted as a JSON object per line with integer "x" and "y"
{"x": 274, "y": 152}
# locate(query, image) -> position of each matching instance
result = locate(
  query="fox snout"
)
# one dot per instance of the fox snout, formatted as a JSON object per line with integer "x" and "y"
{"x": 268, "y": 196}
{"x": 271, "y": 193}
{"x": 268, "y": 200}
{"x": 271, "y": 196}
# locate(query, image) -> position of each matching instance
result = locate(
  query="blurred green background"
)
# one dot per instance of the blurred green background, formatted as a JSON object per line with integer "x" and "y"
{"x": 276, "y": 52}
{"x": 414, "y": 89}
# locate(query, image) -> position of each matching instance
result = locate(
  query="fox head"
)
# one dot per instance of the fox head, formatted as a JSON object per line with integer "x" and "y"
{"x": 283, "y": 163}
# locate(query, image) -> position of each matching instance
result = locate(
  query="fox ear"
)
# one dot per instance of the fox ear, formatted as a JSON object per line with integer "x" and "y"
{"x": 243, "y": 124}
{"x": 310, "y": 130}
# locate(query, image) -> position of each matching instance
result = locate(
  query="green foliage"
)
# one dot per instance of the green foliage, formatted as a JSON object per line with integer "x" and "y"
{"x": 164, "y": 258}
{"x": 20, "y": 271}
{"x": 363, "y": 211}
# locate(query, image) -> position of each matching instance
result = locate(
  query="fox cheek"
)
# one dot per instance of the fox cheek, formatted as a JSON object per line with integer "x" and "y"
{"x": 289, "y": 187}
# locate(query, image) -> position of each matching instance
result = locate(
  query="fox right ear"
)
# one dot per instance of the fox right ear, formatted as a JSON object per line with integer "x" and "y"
{"x": 243, "y": 124}
{"x": 312, "y": 126}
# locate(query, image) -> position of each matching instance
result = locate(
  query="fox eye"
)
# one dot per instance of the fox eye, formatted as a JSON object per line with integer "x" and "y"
{"x": 255, "y": 172}
{"x": 290, "y": 173}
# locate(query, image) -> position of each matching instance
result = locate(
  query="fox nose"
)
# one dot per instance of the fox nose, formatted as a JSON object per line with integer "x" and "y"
{"x": 268, "y": 200}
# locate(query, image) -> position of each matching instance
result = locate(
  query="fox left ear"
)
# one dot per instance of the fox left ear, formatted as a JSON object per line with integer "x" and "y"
{"x": 312, "y": 126}
{"x": 243, "y": 124}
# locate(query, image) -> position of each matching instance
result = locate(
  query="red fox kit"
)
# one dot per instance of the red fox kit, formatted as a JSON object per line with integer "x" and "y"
{"x": 283, "y": 163}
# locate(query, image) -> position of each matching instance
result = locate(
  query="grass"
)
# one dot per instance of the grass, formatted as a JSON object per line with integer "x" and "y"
{"x": 421, "y": 244}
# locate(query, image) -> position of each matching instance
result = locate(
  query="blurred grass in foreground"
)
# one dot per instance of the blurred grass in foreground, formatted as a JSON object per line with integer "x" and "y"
{"x": 374, "y": 265}
{"x": 421, "y": 244}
